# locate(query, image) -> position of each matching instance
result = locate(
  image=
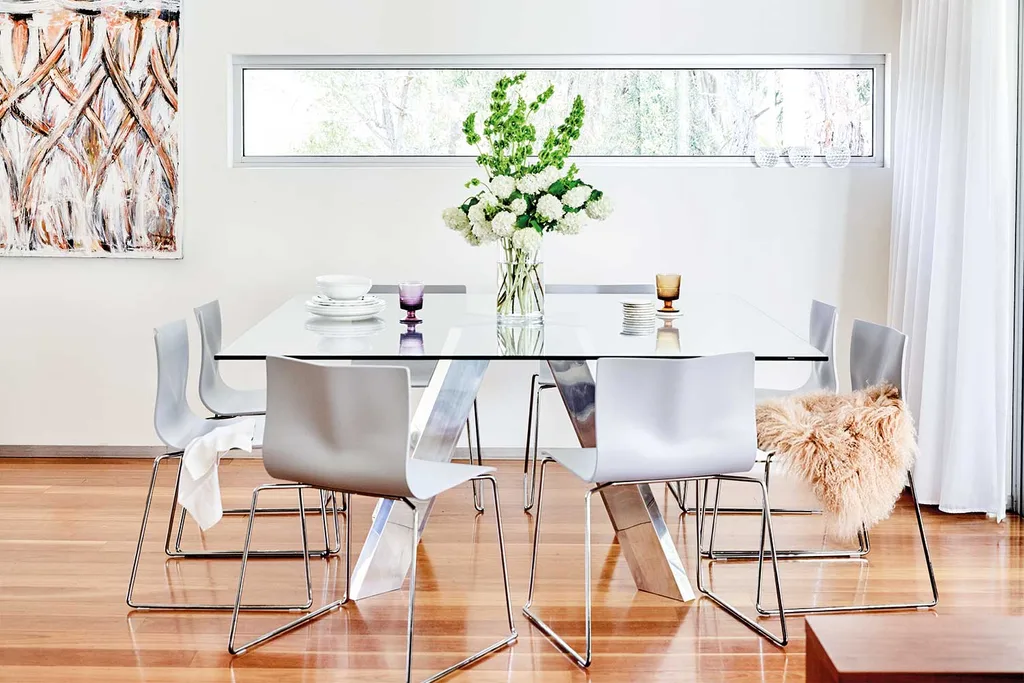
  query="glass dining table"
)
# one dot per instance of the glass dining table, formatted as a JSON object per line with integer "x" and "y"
{"x": 460, "y": 332}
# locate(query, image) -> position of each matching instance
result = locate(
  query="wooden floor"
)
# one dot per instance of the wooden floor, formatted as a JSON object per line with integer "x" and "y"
{"x": 68, "y": 530}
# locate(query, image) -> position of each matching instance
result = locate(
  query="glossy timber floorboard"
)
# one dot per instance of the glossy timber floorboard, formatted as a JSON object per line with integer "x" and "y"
{"x": 68, "y": 530}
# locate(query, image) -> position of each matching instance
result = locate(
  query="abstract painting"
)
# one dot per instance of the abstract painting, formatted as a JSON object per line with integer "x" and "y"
{"x": 89, "y": 128}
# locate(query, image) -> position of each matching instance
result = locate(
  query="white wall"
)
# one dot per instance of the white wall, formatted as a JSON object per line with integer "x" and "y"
{"x": 76, "y": 350}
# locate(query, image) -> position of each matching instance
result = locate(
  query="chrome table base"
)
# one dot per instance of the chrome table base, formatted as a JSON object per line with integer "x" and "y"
{"x": 440, "y": 417}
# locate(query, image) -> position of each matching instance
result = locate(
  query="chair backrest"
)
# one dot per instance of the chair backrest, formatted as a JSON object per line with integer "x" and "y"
{"x": 662, "y": 418}
{"x": 822, "y": 336}
{"x": 211, "y": 385}
{"x": 876, "y": 356}
{"x": 338, "y": 427}
{"x": 174, "y": 421}
{"x": 600, "y": 289}
{"x": 427, "y": 289}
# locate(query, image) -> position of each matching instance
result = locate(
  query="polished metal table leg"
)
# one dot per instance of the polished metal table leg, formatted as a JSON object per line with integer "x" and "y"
{"x": 439, "y": 420}
{"x": 639, "y": 525}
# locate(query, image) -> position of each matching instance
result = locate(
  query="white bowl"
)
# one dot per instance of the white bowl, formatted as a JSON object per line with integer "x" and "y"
{"x": 343, "y": 287}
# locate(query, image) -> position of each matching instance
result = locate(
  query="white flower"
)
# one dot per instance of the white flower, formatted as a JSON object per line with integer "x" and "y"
{"x": 577, "y": 196}
{"x": 518, "y": 206}
{"x": 548, "y": 176}
{"x": 476, "y": 214}
{"x": 503, "y": 224}
{"x": 502, "y": 186}
{"x": 549, "y": 207}
{"x": 529, "y": 184}
{"x": 471, "y": 238}
{"x": 482, "y": 231}
{"x": 527, "y": 239}
{"x": 599, "y": 209}
{"x": 570, "y": 223}
{"x": 488, "y": 199}
{"x": 456, "y": 219}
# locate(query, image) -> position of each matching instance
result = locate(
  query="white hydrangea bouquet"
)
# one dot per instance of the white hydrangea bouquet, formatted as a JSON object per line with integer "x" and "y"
{"x": 527, "y": 193}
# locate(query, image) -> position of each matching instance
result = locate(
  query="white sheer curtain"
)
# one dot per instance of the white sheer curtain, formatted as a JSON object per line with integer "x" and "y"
{"x": 951, "y": 262}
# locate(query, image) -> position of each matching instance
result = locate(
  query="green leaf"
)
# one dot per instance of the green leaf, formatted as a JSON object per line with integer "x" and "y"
{"x": 522, "y": 221}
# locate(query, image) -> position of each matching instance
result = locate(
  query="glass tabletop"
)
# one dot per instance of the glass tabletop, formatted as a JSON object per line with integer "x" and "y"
{"x": 576, "y": 327}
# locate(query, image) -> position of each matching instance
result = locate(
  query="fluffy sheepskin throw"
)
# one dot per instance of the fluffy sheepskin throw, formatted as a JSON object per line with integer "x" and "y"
{"x": 853, "y": 449}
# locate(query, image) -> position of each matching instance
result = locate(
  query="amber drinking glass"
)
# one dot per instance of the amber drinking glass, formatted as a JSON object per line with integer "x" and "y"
{"x": 668, "y": 290}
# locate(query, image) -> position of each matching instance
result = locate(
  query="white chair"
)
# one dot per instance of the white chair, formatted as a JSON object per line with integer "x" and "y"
{"x": 420, "y": 372}
{"x": 824, "y": 319}
{"x": 176, "y": 426}
{"x": 225, "y": 401}
{"x": 821, "y": 334}
{"x": 877, "y": 356}
{"x": 219, "y": 398}
{"x": 661, "y": 420}
{"x": 543, "y": 380}
{"x": 346, "y": 429}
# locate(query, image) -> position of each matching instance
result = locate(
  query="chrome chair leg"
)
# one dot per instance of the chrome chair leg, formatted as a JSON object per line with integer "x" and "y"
{"x": 583, "y": 660}
{"x": 750, "y": 510}
{"x": 766, "y": 528}
{"x": 528, "y": 489}
{"x": 129, "y": 597}
{"x": 509, "y": 639}
{"x": 306, "y": 618}
{"x": 478, "y": 504}
{"x": 679, "y": 493}
{"x": 863, "y": 539}
{"x": 883, "y": 606}
{"x": 577, "y": 658}
{"x": 532, "y": 442}
{"x": 178, "y": 553}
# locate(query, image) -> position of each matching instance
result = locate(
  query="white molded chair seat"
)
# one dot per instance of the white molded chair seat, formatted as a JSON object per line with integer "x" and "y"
{"x": 662, "y": 420}
{"x": 346, "y": 429}
{"x": 583, "y": 462}
{"x": 214, "y": 392}
{"x": 428, "y": 479}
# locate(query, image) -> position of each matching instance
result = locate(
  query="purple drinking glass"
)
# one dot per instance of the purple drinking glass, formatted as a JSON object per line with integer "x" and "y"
{"x": 410, "y": 299}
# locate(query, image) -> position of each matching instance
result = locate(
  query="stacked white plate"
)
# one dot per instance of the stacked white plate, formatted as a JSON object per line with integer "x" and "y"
{"x": 638, "y": 317}
{"x": 363, "y": 308}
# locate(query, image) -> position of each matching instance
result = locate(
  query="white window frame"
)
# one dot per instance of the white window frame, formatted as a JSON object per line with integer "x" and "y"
{"x": 876, "y": 62}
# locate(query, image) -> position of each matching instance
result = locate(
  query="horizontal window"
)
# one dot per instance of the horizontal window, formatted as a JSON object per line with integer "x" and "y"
{"x": 291, "y": 109}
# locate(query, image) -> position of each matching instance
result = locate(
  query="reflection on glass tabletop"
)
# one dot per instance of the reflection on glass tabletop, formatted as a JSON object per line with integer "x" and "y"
{"x": 576, "y": 326}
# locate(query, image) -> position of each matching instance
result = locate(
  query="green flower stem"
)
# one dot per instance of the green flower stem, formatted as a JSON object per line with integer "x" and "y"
{"x": 520, "y": 291}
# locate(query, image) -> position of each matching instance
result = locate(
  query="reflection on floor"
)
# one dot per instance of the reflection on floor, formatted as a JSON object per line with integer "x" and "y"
{"x": 68, "y": 530}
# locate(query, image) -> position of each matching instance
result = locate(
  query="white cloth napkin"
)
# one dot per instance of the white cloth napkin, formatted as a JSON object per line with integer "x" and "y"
{"x": 199, "y": 490}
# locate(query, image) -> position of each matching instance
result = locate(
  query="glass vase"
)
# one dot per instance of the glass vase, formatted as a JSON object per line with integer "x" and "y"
{"x": 520, "y": 288}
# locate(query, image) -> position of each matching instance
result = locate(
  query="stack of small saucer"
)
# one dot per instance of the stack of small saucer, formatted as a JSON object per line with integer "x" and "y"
{"x": 637, "y": 317}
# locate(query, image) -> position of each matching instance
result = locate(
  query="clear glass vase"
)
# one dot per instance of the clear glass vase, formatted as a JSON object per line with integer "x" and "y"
{"x": 520, "y": 288}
